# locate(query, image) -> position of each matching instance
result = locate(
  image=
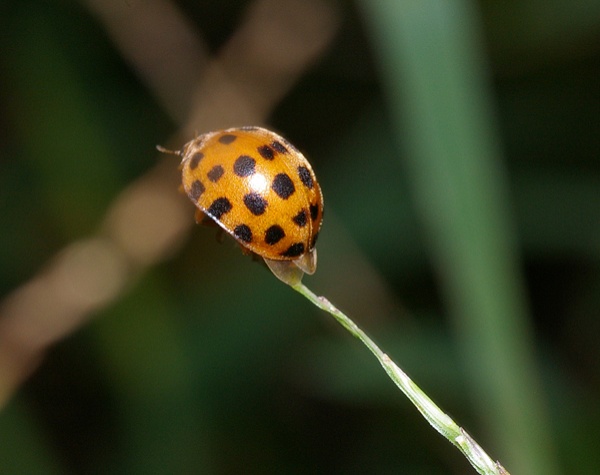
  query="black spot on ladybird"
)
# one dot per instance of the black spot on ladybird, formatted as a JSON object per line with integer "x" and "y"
{"x": 305, "y": 177}
{"x": 255, "y": 203}
{"x": 278, "y": 147}
{"x": 283, "y": 186}
{"x": 196, "y": 190}
{"x": 243, "y": 232}
{"x": 219, "y": 207}
{"x": 314, "y": 212}
{"x": 294, "y": 250}
{"x": 244, "y": 166}
{"x": 300, "y": 218}
{"x": 274, "y": 234}
{"x": 215, "y": 173}
{"x": 195, "y": 160}
{"x": 227, "y": 139}
{"x": 266, "y": 152}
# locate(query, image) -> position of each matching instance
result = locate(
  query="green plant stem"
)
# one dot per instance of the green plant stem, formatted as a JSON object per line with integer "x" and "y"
{"x": 430, "y": 411}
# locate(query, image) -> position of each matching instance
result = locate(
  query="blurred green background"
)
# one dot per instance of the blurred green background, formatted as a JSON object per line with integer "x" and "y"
{"x": 457, "y": 144}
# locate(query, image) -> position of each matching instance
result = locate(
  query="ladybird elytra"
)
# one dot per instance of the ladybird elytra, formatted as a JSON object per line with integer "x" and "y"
{"x": 261, "y": 190}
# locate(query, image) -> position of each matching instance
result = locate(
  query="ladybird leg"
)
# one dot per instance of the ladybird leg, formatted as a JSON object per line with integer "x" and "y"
{"x": 308, "y": 262}
{"x": 220, "y": 236}
{"x": 248, "y": 252}
{"x": 286, "y": 271}
{"x": 204, "y": 219}
{"x": 199, "y": 216}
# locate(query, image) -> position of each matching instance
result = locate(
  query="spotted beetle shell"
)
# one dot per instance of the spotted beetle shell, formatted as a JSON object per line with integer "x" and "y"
{"x": 261, "y": 190}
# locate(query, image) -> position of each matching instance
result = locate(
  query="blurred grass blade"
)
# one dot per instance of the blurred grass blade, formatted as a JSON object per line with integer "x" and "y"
{"x": 434, "y": 76}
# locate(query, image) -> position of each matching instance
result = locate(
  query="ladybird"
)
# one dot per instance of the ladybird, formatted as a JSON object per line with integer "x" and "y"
{"x": 261, "y": 190}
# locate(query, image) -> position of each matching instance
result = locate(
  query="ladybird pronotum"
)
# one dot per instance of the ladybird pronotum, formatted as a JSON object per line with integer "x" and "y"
{"x": 262, "y": 191}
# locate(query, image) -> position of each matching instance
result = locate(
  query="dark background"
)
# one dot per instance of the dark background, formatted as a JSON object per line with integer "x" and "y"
{"x": 205, "y": 363}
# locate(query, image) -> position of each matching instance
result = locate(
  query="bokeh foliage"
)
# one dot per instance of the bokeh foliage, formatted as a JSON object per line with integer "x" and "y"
{"x": 207, "y": 364}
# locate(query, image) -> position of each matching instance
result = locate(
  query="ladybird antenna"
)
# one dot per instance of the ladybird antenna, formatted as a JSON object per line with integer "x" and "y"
{"x": 162, "y": 149}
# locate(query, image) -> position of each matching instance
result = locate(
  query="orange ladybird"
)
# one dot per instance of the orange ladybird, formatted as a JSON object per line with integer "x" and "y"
{"x": 261, "y": 190}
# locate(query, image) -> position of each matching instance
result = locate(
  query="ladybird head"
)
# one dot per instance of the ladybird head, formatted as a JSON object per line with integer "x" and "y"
{"x": 262, "y": 191}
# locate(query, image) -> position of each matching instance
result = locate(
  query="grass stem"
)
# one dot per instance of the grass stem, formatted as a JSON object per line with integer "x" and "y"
{"x": 439, "y": 420}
